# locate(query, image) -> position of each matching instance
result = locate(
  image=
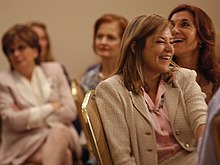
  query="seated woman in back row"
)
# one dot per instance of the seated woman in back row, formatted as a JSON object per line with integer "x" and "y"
{"x": 108, "y": 32}
{"x": 36, "y": 105}
{"x": 154, "y": 112}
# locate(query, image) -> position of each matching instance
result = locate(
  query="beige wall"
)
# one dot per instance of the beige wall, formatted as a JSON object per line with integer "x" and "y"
{"x": 70, "y": 22}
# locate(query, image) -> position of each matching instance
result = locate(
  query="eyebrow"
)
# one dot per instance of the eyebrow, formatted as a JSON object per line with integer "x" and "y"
{"x": 162, "y": 37}
{"x": 185, "y": 19}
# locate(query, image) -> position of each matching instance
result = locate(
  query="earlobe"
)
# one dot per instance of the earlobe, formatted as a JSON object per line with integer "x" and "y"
{"x": 133, "y": 46}
{"x": 36, "y": 53}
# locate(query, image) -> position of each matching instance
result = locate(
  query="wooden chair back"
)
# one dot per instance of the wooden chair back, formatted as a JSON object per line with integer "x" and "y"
{"x": 95, "y": 129}
{"x": 78, "y": 95}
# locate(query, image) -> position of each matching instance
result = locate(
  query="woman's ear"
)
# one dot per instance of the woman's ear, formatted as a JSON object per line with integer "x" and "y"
{"x": 133, "y": 46}
{"x": 36, "y": 53}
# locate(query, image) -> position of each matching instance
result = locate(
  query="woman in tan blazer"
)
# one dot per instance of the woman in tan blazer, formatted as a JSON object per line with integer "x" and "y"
{"x": 152, "y": 111}
{"x": 36, "y": 105}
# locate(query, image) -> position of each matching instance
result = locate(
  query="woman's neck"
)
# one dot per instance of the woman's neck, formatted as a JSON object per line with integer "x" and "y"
{"x": 153, "y": 83}
{"x": 27, "y": 73}
{"x": 189, "y": 61}
{"x": 108, "y": 67}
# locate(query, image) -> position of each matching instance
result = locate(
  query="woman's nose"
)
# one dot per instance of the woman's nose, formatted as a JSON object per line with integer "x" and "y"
{"x": 103, "y": 40}
{"x": 169, "y": 47}
{"x": 16, "y": 52}
{"x": 175, "y": 30}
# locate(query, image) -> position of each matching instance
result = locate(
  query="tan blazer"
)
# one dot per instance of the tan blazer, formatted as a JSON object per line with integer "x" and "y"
{"x": 127, "y": 122}
{"x": 20, "y": 139}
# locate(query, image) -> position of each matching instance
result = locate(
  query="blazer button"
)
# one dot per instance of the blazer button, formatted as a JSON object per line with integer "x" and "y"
{"x": 187, "y": 145}
{"x": 178, "y": 132}
{"x": 149, "y": 150}
{"x": 147, "y": 133}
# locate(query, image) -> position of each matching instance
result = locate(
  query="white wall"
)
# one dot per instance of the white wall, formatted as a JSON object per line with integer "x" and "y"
{"x": 70, "y": 22}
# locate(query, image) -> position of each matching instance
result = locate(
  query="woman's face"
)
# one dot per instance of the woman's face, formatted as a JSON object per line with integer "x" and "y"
{"x": 186, "y": 42}
{"x": 107, "y": 40}
{"x": 158, "y": 52}
{"x": 21, "y": 56}
{"x": 42, "y": 41}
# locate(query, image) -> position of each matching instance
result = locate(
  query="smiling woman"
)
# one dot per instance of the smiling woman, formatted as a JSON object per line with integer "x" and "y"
{"x": 147, "y": 116}
{"x": 158, "y": 52}
{"x": 194, "y": 36}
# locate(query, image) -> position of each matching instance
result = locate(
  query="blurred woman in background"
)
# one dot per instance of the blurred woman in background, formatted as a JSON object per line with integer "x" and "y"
{"x": 45, "y": 44}
{"x": 36, "y": 105}
{"x": 108, "y": 32}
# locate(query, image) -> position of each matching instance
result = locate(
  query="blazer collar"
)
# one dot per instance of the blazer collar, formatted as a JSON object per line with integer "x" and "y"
{"x": 140, "y": 105}
{"x": 26, "y": 91}
{"x": 171, "y": 96}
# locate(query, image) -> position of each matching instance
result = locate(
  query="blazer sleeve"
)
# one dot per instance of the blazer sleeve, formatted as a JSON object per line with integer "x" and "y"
{"x": 112, "y": 111}
{"x": 17, "y": 119}
{"x": 194, "y": 99}
{"x": 68, "y": 110}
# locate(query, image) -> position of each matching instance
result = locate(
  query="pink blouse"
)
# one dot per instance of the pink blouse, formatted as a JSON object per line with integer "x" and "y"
{"x": 166, "y": 142}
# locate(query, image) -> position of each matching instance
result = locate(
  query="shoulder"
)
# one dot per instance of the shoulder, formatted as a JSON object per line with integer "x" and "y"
{"x": 4, "y": 73}
{"x": 92, "y": 70}
{"x": 52, "y": 68}
{"x": 112, "y": 89}
{"x": 115, "y": 79}
{"x": 90, "y": 79}
{"x": 115, "y": 82}
{"x": 93, "y": 67}
{"x": 6, "y": 76}
{"x": 51, "y": 65}
{"x": 184, "y": 74}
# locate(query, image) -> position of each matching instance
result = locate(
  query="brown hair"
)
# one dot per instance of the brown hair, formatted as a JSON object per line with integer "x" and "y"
{"x": 23, "y": 33}
{"x": 109, "y": 18}
{"x": 48, "y": 56}
{"x": 138, "y": 30}
{"x": 207, "y": 62}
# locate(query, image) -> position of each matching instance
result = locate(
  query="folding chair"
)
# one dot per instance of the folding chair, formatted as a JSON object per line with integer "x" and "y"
{"x": 95, "y": 129}
{"x": 78, "y": 96}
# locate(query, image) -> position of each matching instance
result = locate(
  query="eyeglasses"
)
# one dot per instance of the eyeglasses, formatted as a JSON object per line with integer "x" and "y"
{"x": 20, "y": 48}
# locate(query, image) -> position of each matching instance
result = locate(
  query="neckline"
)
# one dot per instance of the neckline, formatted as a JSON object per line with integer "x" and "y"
{"x": 156, "y": 110}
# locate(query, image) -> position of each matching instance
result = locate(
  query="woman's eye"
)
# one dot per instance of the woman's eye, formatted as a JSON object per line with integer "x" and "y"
{"x": 185, "y": 24}
{"x": 159, "y": 41}
{"x": 110, "y": 37}
{"x": 99, "y": 36}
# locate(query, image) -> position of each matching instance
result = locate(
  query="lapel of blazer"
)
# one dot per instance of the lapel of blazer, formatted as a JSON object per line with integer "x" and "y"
{"x": 172, "y": 99}
{"x": 140, "y": 105}
{"x": 24, "y": 91}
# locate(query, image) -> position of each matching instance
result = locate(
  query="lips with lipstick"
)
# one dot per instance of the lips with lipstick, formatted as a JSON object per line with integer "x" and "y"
{"x": 166, "y": 57}
{"x": 178, "y": 40}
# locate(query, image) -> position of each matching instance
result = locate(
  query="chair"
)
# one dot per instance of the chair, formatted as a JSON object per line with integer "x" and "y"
{"x": 95, "y": 129}
{"x": 216, "y": 136}
{"x": 77, "y": 93}
{"x": 78, "y": 96}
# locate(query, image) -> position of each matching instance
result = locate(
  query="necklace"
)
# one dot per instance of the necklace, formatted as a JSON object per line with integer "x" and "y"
{"x": 102, "y": 76}
{"x": 156, "y": 110}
